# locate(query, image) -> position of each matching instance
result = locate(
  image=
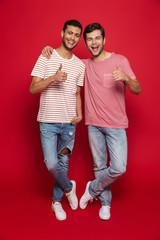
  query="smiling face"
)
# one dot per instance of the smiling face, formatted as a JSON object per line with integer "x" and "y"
{"x": 71, "y": 37}
{"x": 95, "y": 42}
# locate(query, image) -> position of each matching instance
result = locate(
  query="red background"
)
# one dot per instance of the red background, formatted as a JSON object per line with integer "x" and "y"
{"x": 132, "y": 29}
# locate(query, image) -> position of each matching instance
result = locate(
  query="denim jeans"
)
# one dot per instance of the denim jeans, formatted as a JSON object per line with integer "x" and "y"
{"x": 55, "y": 137}
{"x": 101, "y": 138}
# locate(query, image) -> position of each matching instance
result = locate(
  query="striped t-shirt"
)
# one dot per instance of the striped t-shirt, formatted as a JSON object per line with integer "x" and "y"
{"x": 58, "y": 100}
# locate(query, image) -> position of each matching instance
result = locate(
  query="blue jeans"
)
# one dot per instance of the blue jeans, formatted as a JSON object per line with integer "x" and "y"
{"x": 55, "y": 137}
{"x": 101, "y": 138}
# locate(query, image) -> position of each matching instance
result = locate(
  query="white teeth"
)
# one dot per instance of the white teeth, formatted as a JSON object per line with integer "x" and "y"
{"x": 95, "y": 49}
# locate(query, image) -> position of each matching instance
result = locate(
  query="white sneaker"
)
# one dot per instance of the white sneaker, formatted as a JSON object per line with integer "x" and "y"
{"x": 104, "y": 213}
{"x": 72, "y": 198}
{"x": 58, "y": 210}
{"x": 85, "y": 198}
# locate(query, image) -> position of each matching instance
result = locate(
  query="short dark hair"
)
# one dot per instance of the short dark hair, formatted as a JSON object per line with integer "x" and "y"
{"x": 92, "y": 27}
{"x": 72, "y": 22}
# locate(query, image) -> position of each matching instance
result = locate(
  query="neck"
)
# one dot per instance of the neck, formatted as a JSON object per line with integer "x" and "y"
{"x": 64, "y": 52}
{"x": 102, "y": 56}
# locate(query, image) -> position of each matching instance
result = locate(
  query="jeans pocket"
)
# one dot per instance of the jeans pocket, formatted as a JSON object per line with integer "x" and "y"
{"x": 108, "y": 80}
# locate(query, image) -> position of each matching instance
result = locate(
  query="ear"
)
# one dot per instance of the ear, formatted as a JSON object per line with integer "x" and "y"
{"x": 104, "y": 41}
{"x": 62, "y": 34}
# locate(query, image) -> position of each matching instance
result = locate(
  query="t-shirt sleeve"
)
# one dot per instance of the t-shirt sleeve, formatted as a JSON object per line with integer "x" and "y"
{"x": 81, "y": 76}
{"x": 39, "y": 69}
{"x": 127, "y": 68}
{"x": 84, "y": 60}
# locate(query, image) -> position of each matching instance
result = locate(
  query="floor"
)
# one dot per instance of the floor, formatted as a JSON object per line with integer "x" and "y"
{"x": 26, "y": 214}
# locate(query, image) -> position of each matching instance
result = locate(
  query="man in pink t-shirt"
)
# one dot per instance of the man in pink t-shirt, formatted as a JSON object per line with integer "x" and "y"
{"x": 106, "y": 77}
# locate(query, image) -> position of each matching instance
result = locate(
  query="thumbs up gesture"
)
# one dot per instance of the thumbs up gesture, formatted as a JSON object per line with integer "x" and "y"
{"x": 60, "y": 76}
{"x": 119, "y": 75}
{"x": 60, "y": 67}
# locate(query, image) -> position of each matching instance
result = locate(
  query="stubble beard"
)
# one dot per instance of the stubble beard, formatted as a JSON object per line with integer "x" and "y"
{"x": 64, "y": 44}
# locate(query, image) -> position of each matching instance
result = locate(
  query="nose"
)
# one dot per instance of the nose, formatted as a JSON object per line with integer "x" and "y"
{"x": 72, "y": 37}
{"x": 93, "y": 41}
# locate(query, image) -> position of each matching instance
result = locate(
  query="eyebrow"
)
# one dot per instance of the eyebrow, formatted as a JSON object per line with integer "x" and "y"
{"x": 74, "y": 33}
{"x": 94, "y": 37}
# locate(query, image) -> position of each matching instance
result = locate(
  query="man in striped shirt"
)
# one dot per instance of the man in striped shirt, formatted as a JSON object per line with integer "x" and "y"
{"x": 59, "y": 80}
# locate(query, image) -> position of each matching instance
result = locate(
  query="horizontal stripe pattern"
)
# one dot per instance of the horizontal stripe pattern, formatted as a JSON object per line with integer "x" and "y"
{"x": 58, "y": 100}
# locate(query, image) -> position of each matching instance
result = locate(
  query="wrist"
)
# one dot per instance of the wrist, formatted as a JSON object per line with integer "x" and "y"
{"x": 79, "y": 116}
{"x": 127, "y": 78}
{"x": 52, "y": 78}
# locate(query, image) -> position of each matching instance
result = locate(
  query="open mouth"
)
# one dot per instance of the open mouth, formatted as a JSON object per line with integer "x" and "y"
{"x": 95, "y": 49}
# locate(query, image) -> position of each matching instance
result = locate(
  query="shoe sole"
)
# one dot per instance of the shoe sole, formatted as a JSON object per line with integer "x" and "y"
{"x": 104, "y": 219}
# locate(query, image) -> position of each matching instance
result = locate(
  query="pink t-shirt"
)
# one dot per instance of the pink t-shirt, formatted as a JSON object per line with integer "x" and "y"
{"x": 105, "y": 98}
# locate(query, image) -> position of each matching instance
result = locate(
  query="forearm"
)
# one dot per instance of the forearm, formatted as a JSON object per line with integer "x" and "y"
{"x": 79, "y": 105}
{"x": 133, "y": 85}
{"x": 78, "y": 118}
{"x": 39, "y": 85}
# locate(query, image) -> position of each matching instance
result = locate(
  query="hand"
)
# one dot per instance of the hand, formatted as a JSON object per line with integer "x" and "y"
{"x": 47, "y": 51}
{"x": 76, "y": 120}
{"x": 60, "y": 76}
{"x": 119, "y": 75}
